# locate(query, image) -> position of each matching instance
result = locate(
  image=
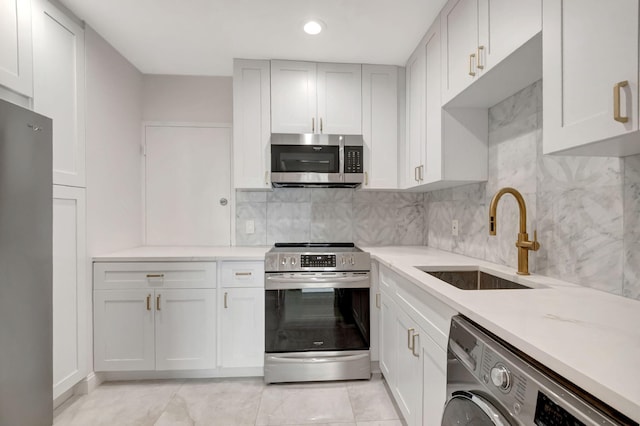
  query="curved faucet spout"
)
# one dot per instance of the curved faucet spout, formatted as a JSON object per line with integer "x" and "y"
{"x": 523, "y": 243}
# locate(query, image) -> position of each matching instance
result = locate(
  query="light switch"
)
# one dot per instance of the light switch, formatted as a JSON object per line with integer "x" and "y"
{"x": 249, "y": 226}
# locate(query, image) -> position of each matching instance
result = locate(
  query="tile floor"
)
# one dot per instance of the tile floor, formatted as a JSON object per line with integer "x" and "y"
{"x": 231, "y": 402}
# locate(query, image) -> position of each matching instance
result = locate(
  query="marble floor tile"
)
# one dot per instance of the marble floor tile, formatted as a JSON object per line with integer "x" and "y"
{"x": 237, "y": 402}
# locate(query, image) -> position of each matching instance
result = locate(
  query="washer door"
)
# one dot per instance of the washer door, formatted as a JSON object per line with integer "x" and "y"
{"x": 470, "y": 409}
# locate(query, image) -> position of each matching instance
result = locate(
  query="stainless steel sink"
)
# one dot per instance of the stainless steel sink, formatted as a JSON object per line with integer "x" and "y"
{"x": 472, "y": 279}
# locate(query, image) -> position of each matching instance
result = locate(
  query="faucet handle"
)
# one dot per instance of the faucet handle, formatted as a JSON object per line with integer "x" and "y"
{"x": 535, "y": 244}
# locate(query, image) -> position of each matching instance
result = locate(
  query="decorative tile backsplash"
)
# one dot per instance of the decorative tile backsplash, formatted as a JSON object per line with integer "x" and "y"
{"x": 317, "y": 214}
{"x": 586, "y": 209}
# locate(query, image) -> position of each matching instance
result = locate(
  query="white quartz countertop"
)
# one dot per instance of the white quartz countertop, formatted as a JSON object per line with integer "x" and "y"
{"x": 590, "y": 337}
{"x": 184, "y": 254}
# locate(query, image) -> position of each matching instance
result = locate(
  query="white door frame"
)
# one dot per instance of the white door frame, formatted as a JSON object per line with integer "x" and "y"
{"x": 143, "y": 171}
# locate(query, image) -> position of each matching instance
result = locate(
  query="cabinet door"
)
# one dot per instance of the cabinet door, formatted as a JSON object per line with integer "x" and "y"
{"x": 408, "y": 384}
{"x": 123, "y": 330}
{"x": 185, "y": 329}
{"x": 589, "y": 46}
{"x": 459, "y": 20}
{"x": 380, "y": 126}
{"x": 434, "y": 369}
{"x": 504, "y": 26}
{"x": 388, "y": 340}
{"x": 251, "y": 124}
{"x": 293, "y": 97}
{"x": 243, "y": 327}
{"x": 15, "y": 46}
{"x": 433, "y": 134}
{"x": 70, "y": 290}
{"x": 58, "y": 92}
{"x": 339, "y": 92}
{"x": 415, "y": 115}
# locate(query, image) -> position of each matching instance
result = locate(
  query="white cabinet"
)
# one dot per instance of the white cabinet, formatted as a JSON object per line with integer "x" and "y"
{"x": 483, "y": 35}
{"x": 154, "y": 316}
{"x": 251, "y": 124}
{"x": 70, "y": 289}
{"x": 316, "y": 98}
{"x": 590, "y": 90}
{"x": 58, "y": 88}
{"x": 185, "y": 335}
{"x": 414, "y": 328}
{"x": 380, "y": 126}
{"x": 242, "y": 314}
{"x": 15, "y": 46}
{"x": 444, "y": 147}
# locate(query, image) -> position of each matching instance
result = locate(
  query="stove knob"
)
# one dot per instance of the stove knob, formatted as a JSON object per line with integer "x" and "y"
{"x": 285, "y": 260}
{"x": 353, "y": 261}
{"x": 293, "y": 261}
{"x": 342, "y": 259}
{"x": 501, "y": 377}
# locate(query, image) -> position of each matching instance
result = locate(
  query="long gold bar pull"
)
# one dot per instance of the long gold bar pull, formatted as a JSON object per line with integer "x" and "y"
{"x": 313, "y": 125}
{"x": 413, "y": 345}
{"x": 148, "y": 302}
{"x": 157, "y": 302}
{"x": 409, "y": 331}
{"x": 366, "y": 179}
{"x": 378, "y": 300}
{"x": 226, "y": 295}
{"x": 616, "y": 101}
{"x": 472, "y": 73}
{"x": 480, "y": 51}
{"x": 155, "y": 275}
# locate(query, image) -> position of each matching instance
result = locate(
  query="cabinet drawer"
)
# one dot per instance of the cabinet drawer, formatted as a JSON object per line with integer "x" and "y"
{"x": 242, "y": 274}
{"x": 132, "y": 275}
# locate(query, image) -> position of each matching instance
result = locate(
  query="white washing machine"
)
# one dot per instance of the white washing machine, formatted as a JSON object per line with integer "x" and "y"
{"x": 490, "y": 383}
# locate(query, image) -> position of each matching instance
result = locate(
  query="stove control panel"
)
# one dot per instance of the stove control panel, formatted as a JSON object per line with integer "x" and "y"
{"x": 318, "y": 260}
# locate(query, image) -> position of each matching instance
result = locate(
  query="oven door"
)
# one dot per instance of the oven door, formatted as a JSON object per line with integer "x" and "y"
{"x": 319, "y": 311}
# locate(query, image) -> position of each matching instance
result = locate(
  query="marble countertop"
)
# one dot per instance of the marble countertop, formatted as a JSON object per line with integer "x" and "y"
{"x": 590, "y": 337}
{"x": 184, "y": 254}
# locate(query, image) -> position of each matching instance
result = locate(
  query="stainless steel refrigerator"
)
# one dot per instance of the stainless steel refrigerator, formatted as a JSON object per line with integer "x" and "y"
{"x": 26, "y": 382}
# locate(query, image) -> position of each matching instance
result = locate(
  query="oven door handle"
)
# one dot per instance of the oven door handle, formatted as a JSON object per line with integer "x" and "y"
{"x": 293, "y": 283}
{"x": 315, "y": 360}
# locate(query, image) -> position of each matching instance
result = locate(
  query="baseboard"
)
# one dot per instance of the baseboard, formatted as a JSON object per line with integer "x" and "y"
{"x": 182, "y": 374}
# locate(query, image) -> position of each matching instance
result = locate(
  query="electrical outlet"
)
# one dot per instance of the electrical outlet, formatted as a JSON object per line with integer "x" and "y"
{"x": 454, "y": 227}
{"x": 249, "y": 226}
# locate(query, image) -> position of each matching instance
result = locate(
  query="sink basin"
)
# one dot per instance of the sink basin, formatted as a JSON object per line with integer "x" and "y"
{"x": 472, "y": 279}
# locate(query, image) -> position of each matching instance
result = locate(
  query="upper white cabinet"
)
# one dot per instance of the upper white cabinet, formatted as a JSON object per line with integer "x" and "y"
{"x": 316, "y": 98}
{"x": 483, "y": 35}
{"x": 590, "y": 90}
{"x": 15, "y": 46}
{"x": 443, "y": 147}
{"x": 58, "y": 88}
{"x": 251, "y": 124}
{"x": 380, "y": 126}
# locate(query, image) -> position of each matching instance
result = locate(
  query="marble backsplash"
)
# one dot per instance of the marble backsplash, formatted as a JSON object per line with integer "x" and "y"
{"x": 317, "y": 214}
{"x": 586, "y": 209}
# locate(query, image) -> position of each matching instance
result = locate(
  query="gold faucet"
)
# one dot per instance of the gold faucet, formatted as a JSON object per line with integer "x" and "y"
{"x": 523, "y": 244}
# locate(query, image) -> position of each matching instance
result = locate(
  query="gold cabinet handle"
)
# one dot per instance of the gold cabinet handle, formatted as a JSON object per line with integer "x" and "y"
{"x": 616, "y": 101}
{"x": 148, "y": 302}
{"x": 155, "y": 275}
{"x": 422, "y": 172}
{"x": 158, "y": 302}
{"x": 415, "y": 174}
{"x": 409, "y": 331}
{"x": 243, "y": 274}
{"x": 321, "y": 125}
{"x": 378, "y": 300}
{"x": 266, "y": 178}
{"x": 366, "y": 179}
{"x": 313, "y": 125}
{"x": 480, "y": 52}
{"x": 225, "y": 299}
{"x": 472, "y": 73}
{"x": 413, "y": 345}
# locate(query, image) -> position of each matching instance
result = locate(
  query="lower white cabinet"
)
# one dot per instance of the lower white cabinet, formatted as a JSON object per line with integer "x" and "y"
{"x": 413, "y": 356}
{"x": 242, "y": 315}
{"x": 154, "y": 316}
{"x": 71, "y": 294}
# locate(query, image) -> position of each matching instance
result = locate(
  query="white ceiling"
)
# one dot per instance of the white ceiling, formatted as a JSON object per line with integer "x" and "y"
{"x": 201, "y": 37}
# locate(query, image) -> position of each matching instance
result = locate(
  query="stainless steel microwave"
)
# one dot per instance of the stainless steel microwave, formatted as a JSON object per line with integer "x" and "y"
{"x": 307, "y": 160}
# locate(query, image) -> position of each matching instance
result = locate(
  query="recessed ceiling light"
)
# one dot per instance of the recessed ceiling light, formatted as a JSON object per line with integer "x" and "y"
{"x": 313, "y": 27}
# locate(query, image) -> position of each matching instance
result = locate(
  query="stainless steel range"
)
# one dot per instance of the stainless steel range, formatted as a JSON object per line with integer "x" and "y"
{"x": 316, "y": 312}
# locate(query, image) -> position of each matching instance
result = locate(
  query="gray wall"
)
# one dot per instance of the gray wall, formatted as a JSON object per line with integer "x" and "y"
{"x": 585, "y": 209}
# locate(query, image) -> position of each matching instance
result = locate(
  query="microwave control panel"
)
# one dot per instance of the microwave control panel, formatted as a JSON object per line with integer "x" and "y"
{"x": 353, "y": 159}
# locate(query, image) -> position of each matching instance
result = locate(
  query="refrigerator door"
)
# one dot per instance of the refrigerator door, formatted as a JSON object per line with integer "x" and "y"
{"x": 25, "y": 267}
